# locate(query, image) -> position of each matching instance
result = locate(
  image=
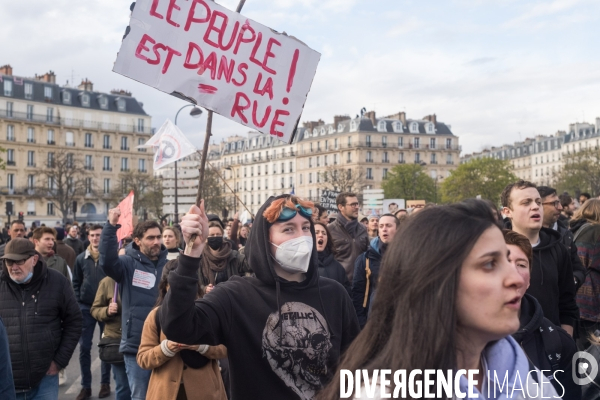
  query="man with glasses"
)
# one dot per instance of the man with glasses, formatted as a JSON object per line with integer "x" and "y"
{"x": 350, "y": 237}
{"x": 43, "y": 321}
{"x": 552, "y": 210}
{"x": 552, "y": 282}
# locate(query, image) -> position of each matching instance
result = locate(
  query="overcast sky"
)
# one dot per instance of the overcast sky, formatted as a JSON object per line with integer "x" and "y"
{"x": 495, "y": 70}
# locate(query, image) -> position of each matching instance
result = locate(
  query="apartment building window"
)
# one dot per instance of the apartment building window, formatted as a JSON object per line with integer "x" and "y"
{"x": 31, "y": 159}
{"x": 401, "y": 158}
{"x": 29, "y": 91}
{"x": 106, "y": 165}
{"x": 106, "y": 185}
{"x": 291, "y": 167}
{"x": 384, "y": 173}
{"x": 245, "y": 186}
{"x": 51, "y": 136}
{"x": 282, "y": 168}
{"x": 282, "y": 182}
{"x": 251, "y": 171}
{"x": 8, "y": 88}
{"x": 309, "y": 162}
{"x": 417, "y": 157}
{"x": 49, "y": 114}
{"x": 70, "y": 162}
{"x": 9, "y": 108}
{"x": 349, "y": 141}
{"x": 251, "y": 185}
{"x": 30, "y": 181}
{"x": 30, "y": 135}
{"x": 142, "y": 165}
{"x": 325, "y": 160}
{"x": 50, "y": 160}
{"x": 384, "y": 141}
{"x": 88, "y": 185}
{"x": 310, "y": 194}
{"x": 10, "y": 156}
{"x": 416, "y": 143}
{"x": 311, "y": 147}
{"x": 140, "y": 125}
{"x": 318, "y": 161}
{"x": 449, "y": 159}
{"x": 274, "y": 168}
{"x": 368, "y": 141}
{"x": 300, "y": 178}
{"x": 369, "y": 173}
{"x": 291, "y": 181}
{"x": 310, "y": 177}
{"x": 400, "y": 142}
{"x": 124, "y": 164}
{"x": 266, "y": 184}
{"x": 385, "y": 158}
{"x": 10, "y": 181}
{"x": 335, "y": 144}
{"x": 88, "y": 140}
{"x": 50, "y": 209}
{"x": 433, "y": 159}
{"x": 448, "y": 143}
{"x": 48, "y": 92}
{"x": 318, "y": 177}
{"x": 335, "y": 159}
{"x": 29, "y": 111}
{"x": 258, "y": 184}
{"x": 106, "y": 142}
{"x": 51, "y": 184}
{"x": 141, "y": 141}
{"x": 369, "y": 156}
{"x": 10, "y": 133}
{"x": 124, "y": 143}
{"x": 432, "y": 143}
{"x": 70, "y": 140}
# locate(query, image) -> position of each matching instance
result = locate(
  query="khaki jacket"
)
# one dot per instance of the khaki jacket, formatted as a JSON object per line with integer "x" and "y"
{"x": 99, "y": 310}
{"x": 167, "y": 373}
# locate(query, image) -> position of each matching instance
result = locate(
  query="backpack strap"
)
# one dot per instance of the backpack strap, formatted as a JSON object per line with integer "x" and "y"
{"x": 368, "y": 276}
{"x": 552, "y": 344}
{"x": 580, "y": 231}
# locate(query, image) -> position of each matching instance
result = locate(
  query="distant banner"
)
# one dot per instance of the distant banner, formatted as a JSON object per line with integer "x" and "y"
{"x": 204, "y": 53}
{"x": 328, "y": 198}
{"x": 171, "y": 146}
{"x": 126, "y": 218}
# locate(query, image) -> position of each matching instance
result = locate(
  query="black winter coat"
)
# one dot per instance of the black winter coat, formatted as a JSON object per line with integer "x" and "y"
{"x": 332, "y": 269}
{"x": 87, "y": 275}
{"x": 579, "y": 271}
{"x": 545, "y": 345}
{"x": 43, "y": 322}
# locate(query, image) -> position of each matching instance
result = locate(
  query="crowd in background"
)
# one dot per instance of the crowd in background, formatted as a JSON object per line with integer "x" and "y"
{"x": 273, "y": 307}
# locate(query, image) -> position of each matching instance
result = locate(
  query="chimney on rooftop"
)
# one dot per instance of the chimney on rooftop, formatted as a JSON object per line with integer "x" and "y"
{"x": 86, "y": 85}
{"x": 120, "y": 92}
{"x": 339, "y": 118}
{"x": 48, "y": 77}
{"x": 371, "y": 116}
{"x": 431, "y": 118}
{"x": 6, "y": 70}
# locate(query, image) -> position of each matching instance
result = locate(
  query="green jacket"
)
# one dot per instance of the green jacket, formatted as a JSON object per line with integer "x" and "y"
{"x": 59, "y": 264}
{"x": 99, "y": 310}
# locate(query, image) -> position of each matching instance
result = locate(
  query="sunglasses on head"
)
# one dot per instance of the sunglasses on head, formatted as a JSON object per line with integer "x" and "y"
{"x": 288, "y": 213}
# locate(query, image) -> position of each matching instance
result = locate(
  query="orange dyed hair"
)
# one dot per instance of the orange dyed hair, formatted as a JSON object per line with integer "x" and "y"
{"x": 274, "y": 210}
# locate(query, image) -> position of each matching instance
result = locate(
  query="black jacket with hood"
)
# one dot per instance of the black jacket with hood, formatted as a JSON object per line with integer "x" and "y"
{"x": 330, "y": 268}
{"x": 579, "y": 271}
{"x": 43, "y": 323}
{"x": 549, "y": 347}
{"x": 552, "y": 282}
{"x": 284, "y": 339}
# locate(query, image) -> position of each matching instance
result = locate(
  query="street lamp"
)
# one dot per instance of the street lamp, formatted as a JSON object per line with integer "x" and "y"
{"x": 196, "y": 112}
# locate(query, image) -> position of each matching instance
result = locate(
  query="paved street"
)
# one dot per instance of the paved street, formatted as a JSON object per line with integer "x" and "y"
{"x": 71, "y": 388}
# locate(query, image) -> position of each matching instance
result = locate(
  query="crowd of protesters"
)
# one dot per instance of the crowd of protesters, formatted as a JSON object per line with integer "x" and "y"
{"x": 276, "y": 306}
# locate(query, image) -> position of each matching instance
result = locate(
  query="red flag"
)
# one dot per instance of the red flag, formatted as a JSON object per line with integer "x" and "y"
{"x": 126, "y": 218}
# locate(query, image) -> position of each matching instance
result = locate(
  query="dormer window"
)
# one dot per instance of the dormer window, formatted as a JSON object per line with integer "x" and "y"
{"x": 414, "y": 127}
{"x": 331, "y": 129}
{"x": 397, "y": 126}
{"x": 29, "y": 91}
{"x": 381, "y": 126}
{"x": 85, "y": 100}
{"x": 48, "y": 92}
{"x": 430, "y": 128}
{"x": 315, "y": 132}
{"x": 322, "y": 130}
{"x": 120, "y": 104}
{"x": 103, "y": 102}
{"x": 353, "y": 126}
{"x": 66, "y": 97}
{"x": 340, "y": 128}
{"x": 8, "y": 88}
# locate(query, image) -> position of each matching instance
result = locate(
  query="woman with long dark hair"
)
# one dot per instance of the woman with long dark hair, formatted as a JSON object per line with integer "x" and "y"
{"x": 328, "y": 266}
{"x": 448, "y": 299}
{"x": 171, "y": 239}
{"x": 179, "y": 371}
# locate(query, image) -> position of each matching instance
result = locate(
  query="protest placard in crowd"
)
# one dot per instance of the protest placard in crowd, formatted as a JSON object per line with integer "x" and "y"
{"x": 213, "y": 57}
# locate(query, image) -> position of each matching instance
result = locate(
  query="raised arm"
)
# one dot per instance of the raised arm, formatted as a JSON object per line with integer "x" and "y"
{"x": 182, "y": 318}
{"x": 110, "y": 262}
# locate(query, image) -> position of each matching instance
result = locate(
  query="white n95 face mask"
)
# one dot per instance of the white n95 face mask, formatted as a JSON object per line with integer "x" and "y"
{"x": 294, "y": 255}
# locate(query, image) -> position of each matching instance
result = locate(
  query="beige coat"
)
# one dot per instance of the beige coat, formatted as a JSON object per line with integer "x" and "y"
{"x": 167, "y": 373}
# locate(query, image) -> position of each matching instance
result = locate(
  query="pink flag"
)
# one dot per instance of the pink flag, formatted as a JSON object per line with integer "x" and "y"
{"x": 126, "y": 218}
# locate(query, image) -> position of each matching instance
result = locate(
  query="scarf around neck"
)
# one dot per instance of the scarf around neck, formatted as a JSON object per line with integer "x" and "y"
{"x": 94, "y": 254}
{"x": 350, "y": 226}
{"x": 215, "y": 260}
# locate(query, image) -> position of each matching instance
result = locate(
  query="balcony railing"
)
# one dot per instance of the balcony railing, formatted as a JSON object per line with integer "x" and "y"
{"x": 72, "y": 123}
{"x": 29, "y": 140}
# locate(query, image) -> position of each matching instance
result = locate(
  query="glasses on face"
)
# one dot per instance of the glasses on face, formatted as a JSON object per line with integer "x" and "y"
{"x": 288, "y": 213}
{"x": 9, "y": 263}
{"x": 353, "y": 205}
{"x": 556, "y": 203}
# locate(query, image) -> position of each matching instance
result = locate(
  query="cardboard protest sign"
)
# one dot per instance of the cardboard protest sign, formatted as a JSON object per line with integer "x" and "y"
{"x": 126, "y": 218}
{"x": 328, "y": 198}
{"x": 172, "y": 145}
{"x": 202, "y": 52}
